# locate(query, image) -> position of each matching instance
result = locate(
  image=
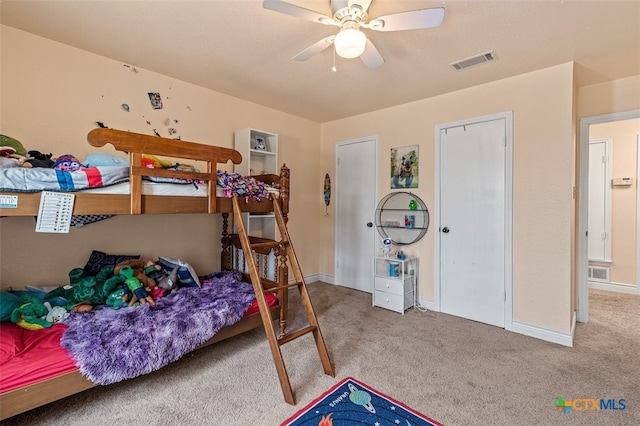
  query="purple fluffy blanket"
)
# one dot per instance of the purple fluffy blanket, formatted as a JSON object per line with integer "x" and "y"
{"x": 111, "y": 345}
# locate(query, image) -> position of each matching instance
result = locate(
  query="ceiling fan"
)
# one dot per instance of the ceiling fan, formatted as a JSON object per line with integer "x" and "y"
{"x": 351, "y": 16}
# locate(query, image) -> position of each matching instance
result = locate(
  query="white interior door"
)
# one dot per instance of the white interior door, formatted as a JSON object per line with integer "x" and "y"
{"x": 600, "y": 200}
{"x": 356, "y": 192}
{"x": 472, "y": 200}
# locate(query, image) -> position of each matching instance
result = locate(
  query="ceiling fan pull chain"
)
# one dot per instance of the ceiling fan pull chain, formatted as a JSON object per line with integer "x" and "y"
{"x": 333, "y": 68}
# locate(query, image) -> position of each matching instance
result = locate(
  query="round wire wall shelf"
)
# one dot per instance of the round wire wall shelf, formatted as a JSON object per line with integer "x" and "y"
{"x": 403, "y": 217}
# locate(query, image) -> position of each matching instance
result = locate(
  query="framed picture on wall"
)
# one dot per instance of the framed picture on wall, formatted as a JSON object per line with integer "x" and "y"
{"x": 404, "y": 167}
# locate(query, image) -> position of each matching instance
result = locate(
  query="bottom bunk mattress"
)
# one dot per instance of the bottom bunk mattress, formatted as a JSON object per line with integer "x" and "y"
{"x": 109, "y": 345}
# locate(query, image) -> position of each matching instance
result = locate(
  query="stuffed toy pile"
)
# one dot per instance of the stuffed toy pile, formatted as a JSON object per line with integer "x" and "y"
{"x": 129, "y": 283}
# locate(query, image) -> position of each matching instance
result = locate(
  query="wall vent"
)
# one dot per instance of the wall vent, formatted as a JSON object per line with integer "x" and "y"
{"x": 474, "y": 60}
{"x": 599, "y": 273}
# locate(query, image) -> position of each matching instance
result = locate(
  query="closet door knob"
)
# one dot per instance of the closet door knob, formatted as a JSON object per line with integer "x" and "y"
{"x": 369, "y": 225}
{"x": 445, "y": 230}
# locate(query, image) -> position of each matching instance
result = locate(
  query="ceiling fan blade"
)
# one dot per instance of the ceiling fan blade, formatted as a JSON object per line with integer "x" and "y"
{"x": 411, "y": 20}
{"x": 364, "y": 4}
{"x": 298, "y": 12}
{"x": 371, "y": 57}
{"x": 314, "y": 49}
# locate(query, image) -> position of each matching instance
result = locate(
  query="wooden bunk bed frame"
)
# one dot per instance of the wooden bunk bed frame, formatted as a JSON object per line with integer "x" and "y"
{"x": 29, "y": 397}
{"x": 135, "y": 144}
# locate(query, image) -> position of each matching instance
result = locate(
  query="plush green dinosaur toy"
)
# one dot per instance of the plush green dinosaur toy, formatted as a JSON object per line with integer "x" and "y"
{"x": 28, "y": 315}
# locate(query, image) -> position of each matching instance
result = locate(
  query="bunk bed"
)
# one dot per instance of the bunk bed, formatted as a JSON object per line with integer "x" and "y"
{"x": 139, "y": 201}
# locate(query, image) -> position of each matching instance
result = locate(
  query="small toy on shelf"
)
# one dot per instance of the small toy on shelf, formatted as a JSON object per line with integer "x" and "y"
{"x": 386, "y": 247}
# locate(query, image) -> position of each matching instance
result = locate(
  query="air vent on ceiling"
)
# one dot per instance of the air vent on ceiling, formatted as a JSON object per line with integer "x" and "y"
{"x": 474, "y": 60}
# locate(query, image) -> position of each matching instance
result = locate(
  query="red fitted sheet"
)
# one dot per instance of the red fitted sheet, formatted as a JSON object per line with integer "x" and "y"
{"x": 28, "y": 357}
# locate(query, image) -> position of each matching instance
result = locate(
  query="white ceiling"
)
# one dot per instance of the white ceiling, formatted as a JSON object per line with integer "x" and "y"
{"x": 238, "y": 48}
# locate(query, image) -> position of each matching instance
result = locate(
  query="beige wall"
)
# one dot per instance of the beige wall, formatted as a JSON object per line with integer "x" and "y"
{"x": 624, "y": 155}
{"x": 51, "y": 96}
{"x": 606, "y": 98}
{"x": 542, "y": 105}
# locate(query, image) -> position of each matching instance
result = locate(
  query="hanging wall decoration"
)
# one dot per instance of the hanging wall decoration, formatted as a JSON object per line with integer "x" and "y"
{"x": 327, "y": 193}
{"x": 404, "y": 167}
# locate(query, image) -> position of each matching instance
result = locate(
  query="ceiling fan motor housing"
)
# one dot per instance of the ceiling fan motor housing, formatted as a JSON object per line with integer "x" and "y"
{"x": 343, "y": 13}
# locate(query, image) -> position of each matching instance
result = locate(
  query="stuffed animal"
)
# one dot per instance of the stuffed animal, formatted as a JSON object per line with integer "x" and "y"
{"x": 56, "y": 314}
{"x": 153, "y": 270}
{"x": 165, "y": 283}
{"x": 82, "y": 307}
{"x": 38, "y": 159}
{"x": 152, "y": 162}
{"x": 135, "y": 286}
{"x": 30, "y": 314}
{"x": 138, "y": 265}
{"x": 68, "y": 163}
{"x": 119, "y": 298}
{"x": 169, "y": 282}
{"x": 91, "y": 289}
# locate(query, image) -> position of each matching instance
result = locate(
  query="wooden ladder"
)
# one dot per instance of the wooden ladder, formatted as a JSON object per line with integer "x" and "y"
{"x": 262, "y": 285}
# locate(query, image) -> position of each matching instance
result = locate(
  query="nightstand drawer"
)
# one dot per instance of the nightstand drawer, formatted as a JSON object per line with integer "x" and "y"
{"x": 395, "y": 302}
{"x": 392, "y": 286}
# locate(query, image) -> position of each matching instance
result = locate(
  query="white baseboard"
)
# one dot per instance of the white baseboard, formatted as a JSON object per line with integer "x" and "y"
{"x": 565, "y": 339}
{"x": 426, "y": 304}
{"x": 616, "y": 287}
{"x": 319, "y": 277}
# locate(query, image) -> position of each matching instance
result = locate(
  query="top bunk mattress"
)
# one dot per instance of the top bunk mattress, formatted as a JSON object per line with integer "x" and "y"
{"x": 115, "y": 180}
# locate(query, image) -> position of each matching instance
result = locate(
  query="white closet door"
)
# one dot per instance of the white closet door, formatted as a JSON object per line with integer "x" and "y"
{"x": 600, "y": 200}
{"x": 472, "y": 218}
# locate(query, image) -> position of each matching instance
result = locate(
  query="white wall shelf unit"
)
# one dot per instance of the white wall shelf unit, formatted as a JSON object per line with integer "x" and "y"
{"x": 259, "y": 151}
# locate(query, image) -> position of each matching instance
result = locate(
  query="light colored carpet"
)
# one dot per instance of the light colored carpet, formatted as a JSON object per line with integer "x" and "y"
{"x": 455, "y": 371}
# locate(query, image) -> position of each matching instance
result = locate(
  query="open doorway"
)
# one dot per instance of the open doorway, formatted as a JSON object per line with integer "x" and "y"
{"x": 624, "y": 233}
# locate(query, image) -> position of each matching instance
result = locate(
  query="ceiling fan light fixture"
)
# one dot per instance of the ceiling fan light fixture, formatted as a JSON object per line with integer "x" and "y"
{"x": 350, "y": 43}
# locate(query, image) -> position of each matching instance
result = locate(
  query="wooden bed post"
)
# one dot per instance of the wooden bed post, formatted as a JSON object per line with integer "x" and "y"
{"x": 285, "y": 174}
{"x": 135, "y": 178}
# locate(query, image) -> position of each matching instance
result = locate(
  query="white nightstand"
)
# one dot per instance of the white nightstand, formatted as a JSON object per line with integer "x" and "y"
{"x": 394, "y": 282}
